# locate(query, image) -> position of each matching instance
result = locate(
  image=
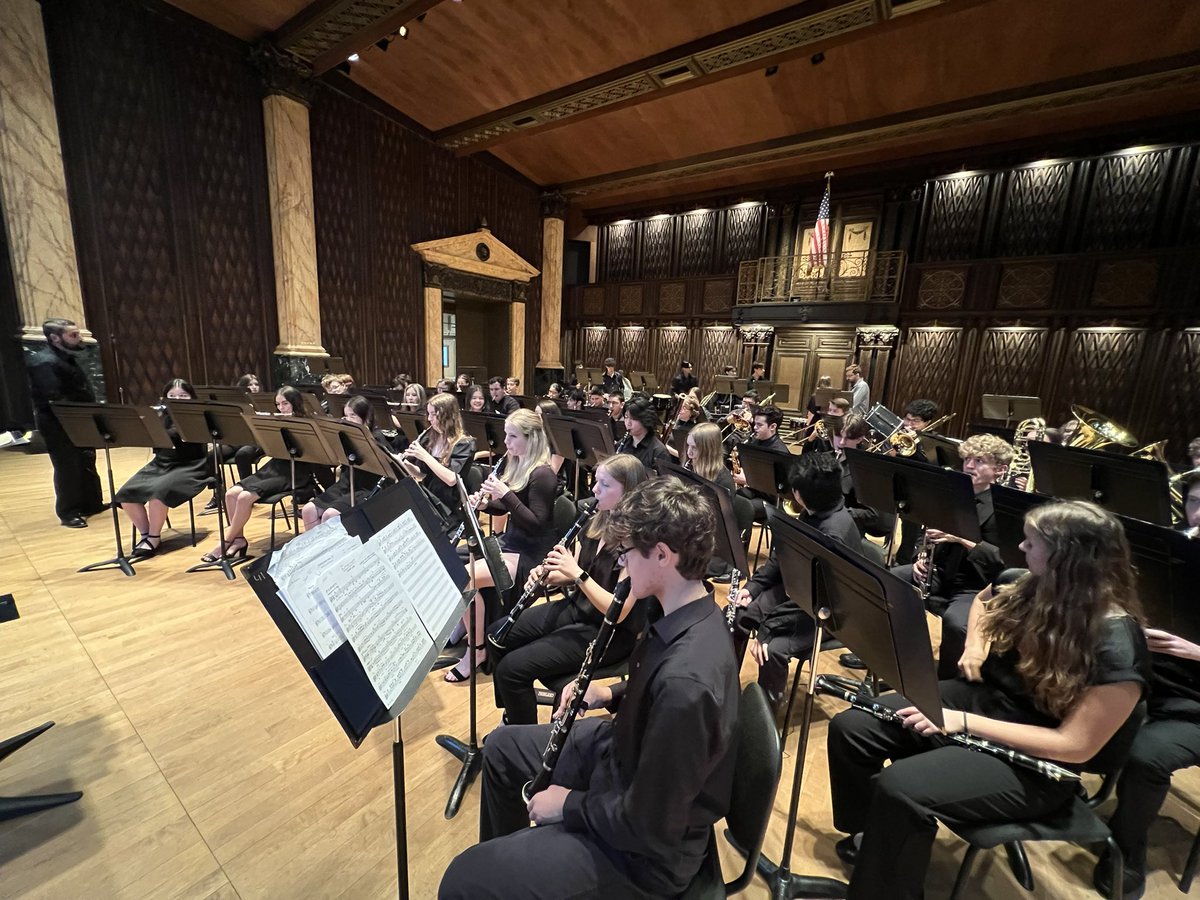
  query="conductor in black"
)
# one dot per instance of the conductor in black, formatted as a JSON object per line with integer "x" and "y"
{"x": 55, "y": 374}
{"x": 633, "y": 799}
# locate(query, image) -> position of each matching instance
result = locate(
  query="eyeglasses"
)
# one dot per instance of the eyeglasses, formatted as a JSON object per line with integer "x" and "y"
{"x": 622, "y": 550}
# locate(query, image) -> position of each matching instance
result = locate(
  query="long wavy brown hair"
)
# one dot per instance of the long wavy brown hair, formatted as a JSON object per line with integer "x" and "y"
{"x": 1055, "y": 621}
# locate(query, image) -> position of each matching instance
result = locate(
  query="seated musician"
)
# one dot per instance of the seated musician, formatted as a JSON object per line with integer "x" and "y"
{"x": 956, "y": 568}
{"x": 500, "y": 403}
{"x": 524, "y": 491}
{"x": 1169, "y": 740}
{"x": 335, "y": 501}
{"x": 918, "y": 415}
{"x": 462, "y": 382}
{"x": 1193, "y": 452}
{"x": 243, "y": 458}
{"x": 869, "y": 520}
{"x": 706, "y": 455}
{"x": 173, "y": 476}
{"x": 273, "y": 477}
{"x": 576, "y": 399}
{"x": 641, "y": 421}
{"x": 441, "y": 456}
{"x": 597, "y": 397}
{"x": 1054, "y": 668}
{"x": 555, "y": 392}
{"x": 687, "y": 416}
{"x": 633, "y": 799}
{"x": 758, "y": 372}
{"x": 684, "y": 381}
{"x": 476, "y": 400}
{"x": 414, "y": 398}
{"x": 821, "y": 440}
{"x": 444, "y": 386}
{"x": 779, "y": 629}
{"x": 764, "y": 436}
{"x": 814, "y": 411}
{"x": 512, "y": 385}
{"x": 549, "y": 639}
{"x": 616, "y": 412}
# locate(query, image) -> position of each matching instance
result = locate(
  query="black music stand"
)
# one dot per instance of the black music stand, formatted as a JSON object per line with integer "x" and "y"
{"x": 263, "y": 402}
{"x": 945, "y": 450}
{"x": 104, "y": 426}
{"x": 1129, "y": 486}
{"x": 878, "y": 617}
{"x": 926, "y": 495}
{"x": 468, "y": 752}
{"x": 201, "y": 422}
{"x": 729, "y": 538}
{"x": 591, "y": 413}
{"x": 822, "y": 396}
{"x": 487, "y": 430}
{"x": 586, "y": 441}
{"x": 291, "y": 438}
{"x": 1166, "y": 563}
{"x": 353, "y": 445}
{"x": 767, "y": 471}
{"x": 1011, "y": 407}
{"x": 14, "y": 807}
{"x": 223, "y": 394}
{"x": 340, "y": 677}
{"x": 411, "y": 423}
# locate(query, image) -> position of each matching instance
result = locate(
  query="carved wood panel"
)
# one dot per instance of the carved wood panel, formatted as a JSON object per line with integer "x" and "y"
{"x": 1125, "y": 200}
{"x": 671, "y": 298}
{"x": 1035, "y": 207}
{"x": 1125, "y": 282}
{"x": 698, "y": 230}
{"x": 597, "y": 345}
{"x": 743, "y": 235}
{"x": 1025, "y": 286}
{"x": 1100, "y": 371}
{"x": 955, "y": 218}
{"x": 619, "y": 252}
{"x": 633, "y": 348}
{"x": 1011, "y": 361}
{"x": 942, "y": 289}
{"x": 930, "y": 367}
{"x": 718, "y": 348}
{"x": 717, "y": 296}
{"x": 658, "y": 238}
{"x": 671, "y": 347}
{"x": 629, "y": 299}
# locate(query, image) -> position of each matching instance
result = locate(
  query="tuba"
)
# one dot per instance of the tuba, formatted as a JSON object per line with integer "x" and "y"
{"x": 1158, "y": 452}
{"x": 1097, "y": 432}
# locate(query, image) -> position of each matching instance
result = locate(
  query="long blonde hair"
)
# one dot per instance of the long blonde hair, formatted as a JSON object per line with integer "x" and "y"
{"x": 449, "y": 419}
{"x": 537, "y": 449}
{"x": 709, "y": 450}
{"x": 1055, "y": 621}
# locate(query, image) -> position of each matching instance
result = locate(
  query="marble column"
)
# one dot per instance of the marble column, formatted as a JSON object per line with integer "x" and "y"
{"x": 433, "y": 334}
{"x": 293, "y": 232}
{"x": 550, "y": 367}
{"x": 33, "y": 187}
{"x": 516, "y": 344}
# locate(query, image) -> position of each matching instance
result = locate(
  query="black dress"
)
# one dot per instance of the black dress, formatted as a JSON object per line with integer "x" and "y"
{"x": 338, "y": 496}
{"x": 175, "y": 475}
{"x": 447, "y": 494}
{"x": 275, "y": 477}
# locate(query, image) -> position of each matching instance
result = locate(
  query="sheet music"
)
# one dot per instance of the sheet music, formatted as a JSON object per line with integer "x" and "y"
{"x": 377, "y": 616}
{"x": 291, "y": 568}
{"x": 405, "y": 546}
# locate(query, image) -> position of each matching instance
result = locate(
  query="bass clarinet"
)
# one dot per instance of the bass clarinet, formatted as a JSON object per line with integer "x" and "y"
{"x": 496, "y": 638}
{"x": 1050, "y": 770}
{"x": 562, "y": 725}
{"x": 458, "y": 533}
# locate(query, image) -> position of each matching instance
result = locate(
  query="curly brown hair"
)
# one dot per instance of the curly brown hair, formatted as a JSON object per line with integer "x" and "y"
{"x": 1000, "y": 450}
{"x": 1055, "y": 621}
{"x": 664, "y": 510}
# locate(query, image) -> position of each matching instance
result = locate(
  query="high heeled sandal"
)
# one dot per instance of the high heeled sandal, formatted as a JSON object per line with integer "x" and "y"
{"x": 236, "y": 550}
{"x": 455, "y": 676}
{"x": 143, "y": 549}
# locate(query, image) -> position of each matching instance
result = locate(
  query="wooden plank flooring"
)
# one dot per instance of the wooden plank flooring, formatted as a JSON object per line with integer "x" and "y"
{"x": 211, "y": 768}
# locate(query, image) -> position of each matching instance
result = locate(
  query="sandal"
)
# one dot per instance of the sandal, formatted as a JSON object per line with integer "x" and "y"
{"x": 457, "y": 676}
{"x": 235, "y": 550}
{"x": 143, "y": 549}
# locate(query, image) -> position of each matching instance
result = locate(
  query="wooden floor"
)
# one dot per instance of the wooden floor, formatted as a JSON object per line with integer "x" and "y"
{"x": 211, "y": 768}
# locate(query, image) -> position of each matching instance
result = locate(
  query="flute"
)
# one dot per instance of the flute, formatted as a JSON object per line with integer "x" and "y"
{"x": 500, "y": 635}
{"x": 1050, "y": 770}
{"x": 562, "y": 725}
{"x": 472, "y": 507}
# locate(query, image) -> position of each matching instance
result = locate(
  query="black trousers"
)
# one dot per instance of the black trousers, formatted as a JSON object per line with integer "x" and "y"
{"x": 242, "y": 457}
{"x": 76, "y": 484}
{"x": 1162, "y": 746}
{"x": 543, "y": 863}
{"x": 897, "y": 808}
{"x": 549, "y": 639}
{"x": 786, "y": 629}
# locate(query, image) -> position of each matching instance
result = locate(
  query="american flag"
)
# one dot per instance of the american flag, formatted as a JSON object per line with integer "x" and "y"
{"x": 819, "y": 251}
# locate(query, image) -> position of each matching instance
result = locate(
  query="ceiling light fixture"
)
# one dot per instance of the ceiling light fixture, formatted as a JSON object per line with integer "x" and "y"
{"x": 353, "y": 57}
{"x": 403, "y": 32}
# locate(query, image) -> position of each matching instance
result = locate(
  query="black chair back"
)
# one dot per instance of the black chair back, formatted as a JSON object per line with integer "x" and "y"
{"x": 758, "y": 766}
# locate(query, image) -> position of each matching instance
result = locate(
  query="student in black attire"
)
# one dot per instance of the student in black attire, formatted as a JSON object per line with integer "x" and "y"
{"x": 441, "y": 456}
{"x": 684, "y": 381}
{"x": 765, "y": 436}
{"x": 869, "y": 520}
{"x": 758, "y": 372}
{"x": 815, "y": 411}
{"x": 961, "y": 568}
{"x": 634, "y": 798}
{"x": 1057, "y": 666}
{"x": 549, "y": 639}
{"x": 612, "y": 380}
{"x": 54, "y": 374}
{"x": 781, "y": 630}
{"x": 1169, "y": 740}
{"x": 500, "y": 403}
{"x": 641, "y": 421}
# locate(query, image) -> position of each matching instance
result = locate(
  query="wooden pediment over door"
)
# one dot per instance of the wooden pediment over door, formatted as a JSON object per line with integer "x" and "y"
{"x": 480, "y": 253}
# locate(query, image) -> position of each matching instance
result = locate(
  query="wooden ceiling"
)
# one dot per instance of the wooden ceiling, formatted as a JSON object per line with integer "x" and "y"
{"x": 629, "y": 102}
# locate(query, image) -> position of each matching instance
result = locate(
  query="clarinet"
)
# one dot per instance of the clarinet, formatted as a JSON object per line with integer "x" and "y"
{"x": 562, "y": 726}
{"x": 497, "y": 638}
{"x": 1015, "y": 757}
{"x": 458, "y": 533}
{"x": 623, "y": 443}
{"x": 731, "y": 606}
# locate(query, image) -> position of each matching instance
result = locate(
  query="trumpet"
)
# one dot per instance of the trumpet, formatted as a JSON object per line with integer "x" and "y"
{"x": 472, "y": 507}
{"x": 816, "y": 430}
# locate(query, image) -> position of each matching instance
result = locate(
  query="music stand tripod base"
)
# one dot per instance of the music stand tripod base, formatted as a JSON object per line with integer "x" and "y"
{"x": 224, "y": 563}
{"x": 13, "y": 807}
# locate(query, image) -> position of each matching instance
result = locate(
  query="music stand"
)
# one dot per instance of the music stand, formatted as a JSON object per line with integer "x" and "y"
{"x": 488, "y": 431}
{"x": 340, "y": 677}
{"x": 586, "y": 441}
{"x": 103, "y": 426}
{"x": 1011, "y": 406}
{"x": 878, "y": 617}
{"x": 767, "y": 471}
{"x": 725, "y": 384}
{"x": 926, "y": 495}
{"x": 591, "y": 413}
{"x": 1133, "y": 487}
{"x": 353, "y": 445}
{"x": 729, "y": 538}
{"x": 290, "y": 438}
{"x": 261, "y": 401}
{"x": 945, "y": 450}
{"x": 823, "y": 395}
{"x": 411, "y": 423}
{"x": 650, "y": 382}
{"x": 223, "y": 394}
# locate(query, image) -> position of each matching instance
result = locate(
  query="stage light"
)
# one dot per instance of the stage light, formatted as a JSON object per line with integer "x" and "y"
{"x": 353, "y": 57}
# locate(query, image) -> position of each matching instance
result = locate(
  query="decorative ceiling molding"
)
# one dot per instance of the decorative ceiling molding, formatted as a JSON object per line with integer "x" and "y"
{"x": 718, "y": 55}
{"x": 327, "y": 31}
{"x": 857, "y": 138}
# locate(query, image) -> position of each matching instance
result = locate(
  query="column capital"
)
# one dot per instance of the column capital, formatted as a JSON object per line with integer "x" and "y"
{"x": 554, "y": 205}
{"x": 282, "y": 73}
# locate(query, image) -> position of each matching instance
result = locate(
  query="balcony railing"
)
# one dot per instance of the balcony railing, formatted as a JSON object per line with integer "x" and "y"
{"x": 855, "y": 276}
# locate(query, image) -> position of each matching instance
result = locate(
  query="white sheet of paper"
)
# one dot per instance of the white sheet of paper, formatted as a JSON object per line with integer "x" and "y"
{"x": 403, "y": 543}
{"x": 377, "y": 616}
{"x": 292, "y": 567}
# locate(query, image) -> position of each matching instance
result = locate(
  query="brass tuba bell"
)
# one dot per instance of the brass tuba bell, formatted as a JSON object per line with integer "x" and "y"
{"x": 1097, "y": 431}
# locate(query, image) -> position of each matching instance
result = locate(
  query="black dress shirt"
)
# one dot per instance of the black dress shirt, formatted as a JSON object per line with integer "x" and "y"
{"x": 650, "y": 452}
{"x": 960, "y": 569}
{"x": 654, "y": 798}
{"x": 614, "y": 383}
{"x": 56, "y": 375}
{"x": 681, "y": 383}
{"x": 503, "y": 406}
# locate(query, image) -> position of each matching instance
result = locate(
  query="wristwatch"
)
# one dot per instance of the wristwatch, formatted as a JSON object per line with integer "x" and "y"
{"x": 583, "y": 576}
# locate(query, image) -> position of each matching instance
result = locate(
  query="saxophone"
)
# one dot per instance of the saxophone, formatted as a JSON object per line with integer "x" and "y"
{"x": 1022, "y": 466}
